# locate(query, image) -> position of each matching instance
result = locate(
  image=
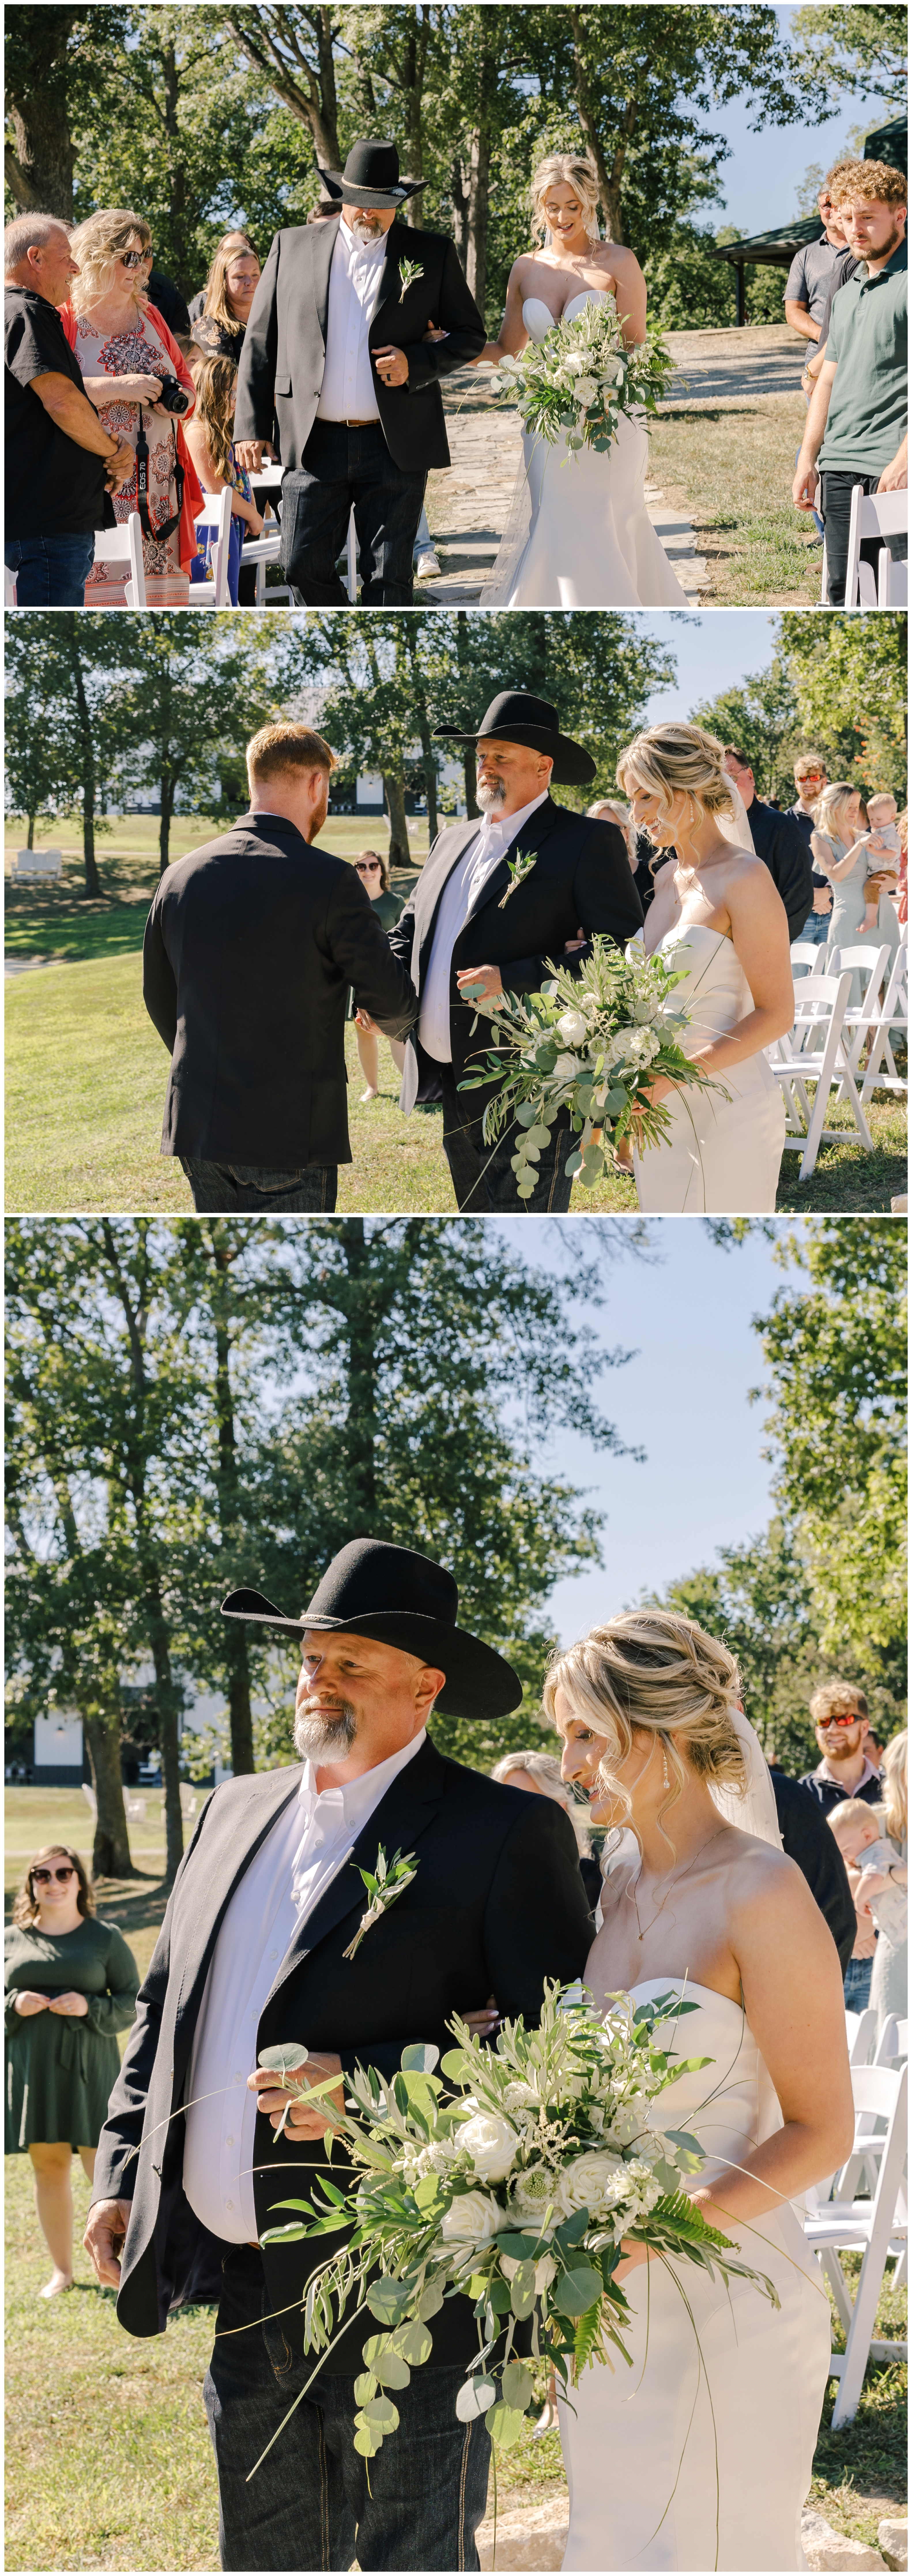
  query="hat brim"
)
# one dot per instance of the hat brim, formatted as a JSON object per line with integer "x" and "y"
{"x": 380, "y": 199}
{"x": 479, "y": 1682}
{"x": 573, "y": 767}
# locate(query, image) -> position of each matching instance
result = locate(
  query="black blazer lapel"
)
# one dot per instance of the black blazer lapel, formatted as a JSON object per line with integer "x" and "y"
{"x": 396, "y": 240}
{"x": 401, "y": 1818}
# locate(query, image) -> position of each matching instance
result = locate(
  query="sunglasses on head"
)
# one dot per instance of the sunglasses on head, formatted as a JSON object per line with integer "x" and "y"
{"x": 134, "y": 258}
{"x": 42, "y": 1877}
{"x": 366, "y": 867}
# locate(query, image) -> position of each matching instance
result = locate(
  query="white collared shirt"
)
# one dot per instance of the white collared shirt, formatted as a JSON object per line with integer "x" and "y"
{"x": 309, "y": 1842}
{"x": 495, "y": 835}
{"x": 348, "y": 391}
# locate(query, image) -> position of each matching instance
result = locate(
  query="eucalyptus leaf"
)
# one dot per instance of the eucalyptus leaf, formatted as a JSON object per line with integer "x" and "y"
{"x": 283, "y": 2060}
{"x": 382, "y": 2414}
{"x": 522, "y": 2290}
{"x": 366, "y": 2442}
{"x": 388, "y": 2301}
{"x": 431, "y": 2301}
{"x": 577, "y": 2290}
{"x": 420, "y": 2059}
{"x": 517, "y": 2384}
{"x": 365, "y": 2388}
{"x": 474, "y": 2399}
{"x": 505, "y": 2423}
{"x": 414, "y": 2342}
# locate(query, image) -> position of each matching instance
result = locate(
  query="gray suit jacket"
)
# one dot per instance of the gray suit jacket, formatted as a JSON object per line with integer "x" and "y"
{"x": 281, "y": 370}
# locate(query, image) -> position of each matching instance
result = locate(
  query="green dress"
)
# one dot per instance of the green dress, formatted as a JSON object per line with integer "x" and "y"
{"x": 59, "y": 2073}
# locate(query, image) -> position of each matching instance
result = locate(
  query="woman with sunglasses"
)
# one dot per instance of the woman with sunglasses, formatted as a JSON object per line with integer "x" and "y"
{"x": 116, "y": 333}
{"x": 374, "y": 874}
{"x": 71, "y": 1984}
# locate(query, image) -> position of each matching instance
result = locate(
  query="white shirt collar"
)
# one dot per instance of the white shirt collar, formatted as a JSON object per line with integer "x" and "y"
{"x": 356, "y": 250}
{"x": 507, "y": 827}
{"x": 824, "y": 1772}
{"x": 355, "y": 1799}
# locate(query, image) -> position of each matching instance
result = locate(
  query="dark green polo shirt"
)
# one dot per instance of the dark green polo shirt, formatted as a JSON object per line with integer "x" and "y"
{"x": 868, "y": 334}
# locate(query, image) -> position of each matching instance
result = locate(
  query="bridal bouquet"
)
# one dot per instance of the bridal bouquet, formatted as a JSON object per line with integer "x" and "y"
{"x": 591, "y": 1043}
{"x": 582, "y": 376}
{"x": 513, "y": 2181}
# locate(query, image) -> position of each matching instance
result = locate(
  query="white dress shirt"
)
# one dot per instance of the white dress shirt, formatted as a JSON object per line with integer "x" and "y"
{"x": 309, "y": 1842}
{"x": 479, "y": 858}
{"x": 348, "y": 391}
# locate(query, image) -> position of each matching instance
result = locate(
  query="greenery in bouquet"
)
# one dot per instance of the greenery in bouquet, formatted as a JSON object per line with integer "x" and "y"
{"x": 582, "y": 376}
{"x": 512, "y": 2178}
{"x": 592, "y": 1042}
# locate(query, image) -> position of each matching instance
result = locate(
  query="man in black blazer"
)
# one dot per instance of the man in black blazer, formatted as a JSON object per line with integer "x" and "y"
{"x": 338, "y": 377}
{"x": 467, "y": 924}
{"x": 251, "y": 947}
{"x": 252, "y": 1951}
{"x": 778, "y": 842}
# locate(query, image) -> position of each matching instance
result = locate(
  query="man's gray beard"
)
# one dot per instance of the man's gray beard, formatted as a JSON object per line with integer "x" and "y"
{"x": 491, "y": 794}
{"x": 367, "y": 234}
{"x": 317, "y": 1738}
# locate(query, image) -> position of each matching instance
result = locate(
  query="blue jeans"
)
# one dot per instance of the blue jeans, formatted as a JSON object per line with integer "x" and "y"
{"x": 51, "y": 572}
{"x": 310, "y": 2505}
{"x": 249, "y": 1189}
{"x": 344, "y": 469}
{"x": 856, "y": 1985}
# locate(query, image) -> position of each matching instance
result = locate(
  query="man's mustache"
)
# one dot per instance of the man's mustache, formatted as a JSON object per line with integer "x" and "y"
{"x": 327, "y": 1730}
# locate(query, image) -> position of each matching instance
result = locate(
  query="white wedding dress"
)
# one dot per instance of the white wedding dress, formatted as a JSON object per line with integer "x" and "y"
{"x": 722, "y": 1157}
{"x": 578, "y": 534}
{"x": 734, "y": 2395}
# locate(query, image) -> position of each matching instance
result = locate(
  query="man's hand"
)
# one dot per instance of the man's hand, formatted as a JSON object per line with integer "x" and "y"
{"x": 392, "y": 365}
{"x": 71, "y": 2003}
{"x": 121, "y": 468}
{"x": 103, "y": 2239}
{"x": 251, "y": 451}
{"x": 484, "y": 981}
{"x": 305, "y": 2120}
{"x": 804, "y": 488}
{"x": 28, "y": 2002}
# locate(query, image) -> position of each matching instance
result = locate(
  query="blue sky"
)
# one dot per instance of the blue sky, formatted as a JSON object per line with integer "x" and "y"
{"x": 683, "y": 1398}
{"x": 760, "y": 184}
{"x": 713, "y": 652}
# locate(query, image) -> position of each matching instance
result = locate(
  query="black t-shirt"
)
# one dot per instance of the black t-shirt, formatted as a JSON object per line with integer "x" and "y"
{"x": 53, "y": 487}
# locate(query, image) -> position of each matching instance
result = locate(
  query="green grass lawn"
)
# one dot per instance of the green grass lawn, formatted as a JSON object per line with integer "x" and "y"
{"x": 137, "y": 2485}
{"x": 731, "y": 469}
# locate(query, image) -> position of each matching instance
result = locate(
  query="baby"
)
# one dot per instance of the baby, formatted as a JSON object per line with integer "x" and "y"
{"x": 883, "y": 844}
{"x": 872, "y": 1864}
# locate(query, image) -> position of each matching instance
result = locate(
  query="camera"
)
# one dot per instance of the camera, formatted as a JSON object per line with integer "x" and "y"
{"x": 172, "y": 396}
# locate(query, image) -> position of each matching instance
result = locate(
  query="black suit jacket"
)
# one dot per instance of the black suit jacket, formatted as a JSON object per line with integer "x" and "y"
{"x": 785, "y": 852}
{"x": 281, "y": 369}
{"x": 250, "y": 948}
{"x": 807, "y": 1839}
{"x": 581, "y": 880}
{"x": 497, "y": 1905}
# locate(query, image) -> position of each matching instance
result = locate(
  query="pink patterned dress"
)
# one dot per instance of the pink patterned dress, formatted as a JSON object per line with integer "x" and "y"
{"x": 138, "y": 351}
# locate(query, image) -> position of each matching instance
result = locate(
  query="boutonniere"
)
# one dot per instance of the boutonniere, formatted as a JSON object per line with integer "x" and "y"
{"x": 520, "y": 868}
{"x": 409, "y": 270}
{"x": 384, "y": 1883}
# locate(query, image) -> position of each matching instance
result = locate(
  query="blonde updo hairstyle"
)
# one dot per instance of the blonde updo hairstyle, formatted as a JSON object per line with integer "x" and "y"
{"x": 574, "y": 170}
{"x": 655, "y": 1673}
{"x": 98, "y": 244}
{"x": 673, "y": 759}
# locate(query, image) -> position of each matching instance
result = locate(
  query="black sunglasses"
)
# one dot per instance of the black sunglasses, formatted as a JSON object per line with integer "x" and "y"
{"x": 366, "y": 867}
{"x": 135, "y": 258}
{"x": 42, "y": 1877}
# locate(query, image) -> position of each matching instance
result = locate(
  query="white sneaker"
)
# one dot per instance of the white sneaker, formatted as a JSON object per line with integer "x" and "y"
{"x": 427, "y": 565}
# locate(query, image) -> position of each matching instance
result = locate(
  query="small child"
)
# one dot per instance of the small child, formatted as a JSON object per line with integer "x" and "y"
{"x": 211, "y": 448}
{"x": 883, "y": 843}
{"x": 872, "y": 1863}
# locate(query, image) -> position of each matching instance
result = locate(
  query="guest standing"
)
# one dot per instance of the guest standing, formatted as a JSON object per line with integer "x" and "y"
{"x": 211, "y": 447}
{"x": 840, "y": 1714}
{"x": 219, "y": 316}
{"x": 810, "y": 778}
{"x": 62, "y": 464}
{"x": 856, "y": 427}
{"x": 777, "y": 842}
{"x": 839, "y": 844}
{"x": 71, "y": 1983}
{"x": 388, "y": 907}
{"x": 890, "y": 1981}
{"x": 116, "y": 333}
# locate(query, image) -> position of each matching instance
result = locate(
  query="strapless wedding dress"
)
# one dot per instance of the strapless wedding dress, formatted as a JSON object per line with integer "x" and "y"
{"x": 644, "y": 2446}
{"x": 578, "y": 534}
{"x": 722, "y": 1157}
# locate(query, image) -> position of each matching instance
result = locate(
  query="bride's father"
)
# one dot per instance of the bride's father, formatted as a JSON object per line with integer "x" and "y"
{"x": 337, "y": 375}
{"x": 252, "y": 1953}
{"x": 251, "y": 947}
{"x": 495, "y": 900}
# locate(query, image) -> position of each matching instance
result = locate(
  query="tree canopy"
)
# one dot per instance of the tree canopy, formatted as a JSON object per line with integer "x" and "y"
{"x": 832, "y": 684}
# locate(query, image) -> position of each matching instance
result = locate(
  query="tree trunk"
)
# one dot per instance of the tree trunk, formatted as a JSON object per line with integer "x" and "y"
{"x": 177, "y": 176}
{"x": 168, "y": 1726}
{"x": 361, "y": 1425}
{"x": 422, "y": 719}
{"x": 465, "y": 684}
{"x": 479, "y": 184}
{"x": 460, "y": 197}
{"x": 394, "y": 791}
{"x": 311, "y": 95}
{"x": 30, "y": 843}
{"x": 92, "y": 879}
{"x": 535, "y": 651}
{"x": 111, "y": 1848}
{"x": 168, "y": 785}
{"x": 609, "y": 183}
{"x": 40, "y": 171}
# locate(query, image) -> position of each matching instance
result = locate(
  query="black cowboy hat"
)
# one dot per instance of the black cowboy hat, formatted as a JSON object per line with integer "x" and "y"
{"x": 370, "y": 177}
{"x": 404, "y": 1600}
{"x": 513, "y": 717}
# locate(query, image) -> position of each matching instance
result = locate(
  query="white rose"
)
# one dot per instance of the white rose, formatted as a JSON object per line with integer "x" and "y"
{"x": 491, "y": 2143}
{"x": 586, "y": 389}
{"x": 566, "y": 1069}
{"x": 575, "y": 363}
{"x": 573, "y": 1028}
{"x": 545, "y": 2270}
{"x": 519, "y": 2097}
{"x": 593, "y": 2181}
{"x": 472, "y": 2219}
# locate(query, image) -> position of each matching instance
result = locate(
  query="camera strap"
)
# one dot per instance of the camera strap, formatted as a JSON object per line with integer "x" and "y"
{"x": 157, "y": 536}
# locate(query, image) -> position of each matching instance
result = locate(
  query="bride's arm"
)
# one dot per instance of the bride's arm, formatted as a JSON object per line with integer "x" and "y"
{"x": 761, "y": 943}
{"x": 513, "y": 335}
{"x": 629, "y": 293}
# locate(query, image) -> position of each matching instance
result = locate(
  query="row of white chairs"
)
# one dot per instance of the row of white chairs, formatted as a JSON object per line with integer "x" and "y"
{"x": 872, "y": 515}
{"x": 875, "y": 2227}
{"x": 123, "y": 545}
{"x": 824, "y": 1047}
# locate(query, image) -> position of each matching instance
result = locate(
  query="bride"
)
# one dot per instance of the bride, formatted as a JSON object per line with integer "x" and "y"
{"x": 700, "y": 2455}
{"x": 717, "y": 914}
{"x": 579, "y": 535}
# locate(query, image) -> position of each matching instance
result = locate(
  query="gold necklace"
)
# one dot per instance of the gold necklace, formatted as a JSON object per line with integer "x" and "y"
{"x": 673, "y": 1882}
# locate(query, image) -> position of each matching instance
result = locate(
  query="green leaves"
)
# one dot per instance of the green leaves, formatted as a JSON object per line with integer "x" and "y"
{"x": 522, "y": 2290}
{"x": 475, "y": 2398}
{"x": 385, "y": 2362}
{"x": 578, "y": 2290}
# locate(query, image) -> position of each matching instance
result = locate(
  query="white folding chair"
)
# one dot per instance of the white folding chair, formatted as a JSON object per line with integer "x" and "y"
{"x": 874, "y": 514}
{"x": 351, "y": 554}
{"x": 871, "y": 964}
{"x": 806, "y": 956}
{"x": 123, "y": 545}
{"x": 216, "y": 513}
{"x": 814, "y": 1052}
{"x": 868, "y": 2227}
{"x": 893, "y": 1013}
{"x": 860, "y": 2028}
{"x": 258, "y": 552}
{"x": 9, "y": 587}
{"x": 893, "y": 2042}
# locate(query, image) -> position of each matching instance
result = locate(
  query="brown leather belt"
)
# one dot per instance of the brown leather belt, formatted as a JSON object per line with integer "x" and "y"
{"x": 373, "y": 423}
